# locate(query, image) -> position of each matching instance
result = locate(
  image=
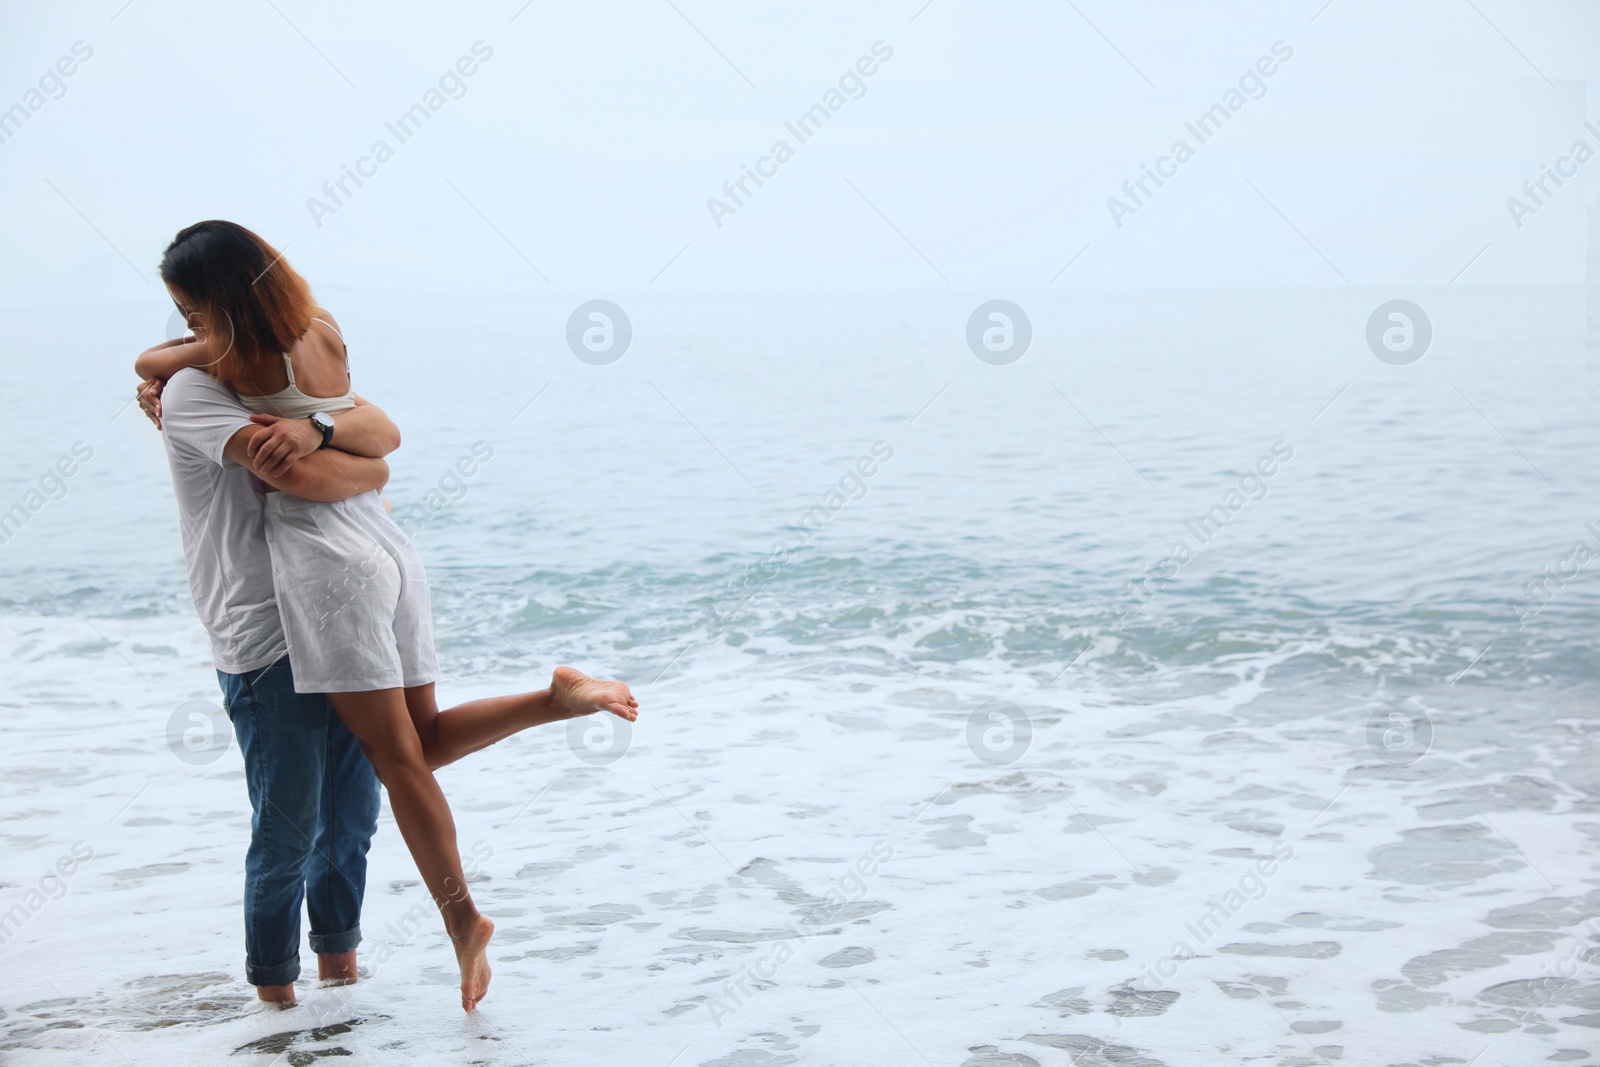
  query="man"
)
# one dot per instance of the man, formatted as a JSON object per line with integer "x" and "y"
{"x": 313, "y": 795}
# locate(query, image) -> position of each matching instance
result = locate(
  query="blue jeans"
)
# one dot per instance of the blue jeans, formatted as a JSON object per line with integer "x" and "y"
{"x": 314, "y": 803}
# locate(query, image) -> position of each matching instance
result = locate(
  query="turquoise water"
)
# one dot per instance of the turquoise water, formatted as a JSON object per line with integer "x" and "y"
{"x": 632, "y": 510}
{"x": 828, "y": 545}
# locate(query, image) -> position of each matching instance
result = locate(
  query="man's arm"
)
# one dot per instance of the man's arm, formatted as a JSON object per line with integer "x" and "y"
{"x": 324, "y": 477}
{"x": 364, "y": 430}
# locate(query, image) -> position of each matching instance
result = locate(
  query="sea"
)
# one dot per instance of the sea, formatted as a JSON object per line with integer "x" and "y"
{"x": 1026, "y": 678}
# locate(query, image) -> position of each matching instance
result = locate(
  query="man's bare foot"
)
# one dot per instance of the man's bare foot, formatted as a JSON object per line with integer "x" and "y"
{"x": 281, "y": 995}
{"x": 472, "y": 955}
{"x": 580, "y": 694}
{"x": 337, "y": 967}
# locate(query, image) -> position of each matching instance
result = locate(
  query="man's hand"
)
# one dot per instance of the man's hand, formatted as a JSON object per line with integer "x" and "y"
{"x": 285, "y": 441}
{"x": 149, "y": 396}
{"x": 327, "y": 476}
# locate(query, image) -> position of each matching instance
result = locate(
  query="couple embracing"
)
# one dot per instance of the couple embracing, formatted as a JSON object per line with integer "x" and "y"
{"x": 318, "y": 611}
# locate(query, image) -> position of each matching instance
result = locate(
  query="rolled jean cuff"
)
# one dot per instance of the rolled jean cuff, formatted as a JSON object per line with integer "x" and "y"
{"x": 334, "y": 944}
{"x": 283, "y": 973}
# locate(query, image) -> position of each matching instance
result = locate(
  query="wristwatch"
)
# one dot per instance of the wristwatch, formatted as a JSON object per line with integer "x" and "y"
{"x": 324, "y": 424}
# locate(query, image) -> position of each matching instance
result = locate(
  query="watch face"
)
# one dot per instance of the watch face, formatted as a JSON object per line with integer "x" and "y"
{"x": 323, "y": 420}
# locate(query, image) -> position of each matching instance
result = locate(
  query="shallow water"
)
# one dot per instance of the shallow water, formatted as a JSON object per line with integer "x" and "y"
{"x": 938, "y": 785}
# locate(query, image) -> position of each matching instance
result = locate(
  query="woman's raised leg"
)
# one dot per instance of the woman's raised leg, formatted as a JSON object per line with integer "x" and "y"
{"x": 382, "y": 724}
{"x": 448, "y": 735}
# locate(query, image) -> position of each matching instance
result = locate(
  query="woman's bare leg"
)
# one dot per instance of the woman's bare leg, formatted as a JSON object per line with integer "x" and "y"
{"x": 459, "y": 731}
{"x": 382, "y": 725}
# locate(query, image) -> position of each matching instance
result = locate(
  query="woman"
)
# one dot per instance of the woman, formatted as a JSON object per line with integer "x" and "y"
{"x": 350, "y": 587}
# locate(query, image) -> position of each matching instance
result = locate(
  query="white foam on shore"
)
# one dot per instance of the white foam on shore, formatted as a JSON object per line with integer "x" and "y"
{"x": 643, "y": 907}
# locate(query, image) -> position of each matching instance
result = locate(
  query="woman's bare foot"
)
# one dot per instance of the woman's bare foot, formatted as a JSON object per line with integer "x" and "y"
{"x": 281, "y": 995}
{"x": 472, "y": 955}
{"x": 580, "y": 694}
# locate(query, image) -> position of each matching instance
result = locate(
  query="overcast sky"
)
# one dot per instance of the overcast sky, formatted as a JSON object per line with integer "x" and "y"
{"x": 584, "y": 146}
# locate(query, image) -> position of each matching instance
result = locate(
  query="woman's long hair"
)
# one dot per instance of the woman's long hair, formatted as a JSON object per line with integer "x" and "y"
{"x": 254, "y": 303}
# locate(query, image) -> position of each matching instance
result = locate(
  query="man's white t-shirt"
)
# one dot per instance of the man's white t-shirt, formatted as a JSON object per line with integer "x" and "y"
{"x": 223, "y": 525}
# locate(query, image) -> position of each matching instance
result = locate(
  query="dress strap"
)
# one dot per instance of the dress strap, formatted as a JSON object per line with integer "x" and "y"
{"x": 337, "y": 334}
{"x": 288, "y": 366}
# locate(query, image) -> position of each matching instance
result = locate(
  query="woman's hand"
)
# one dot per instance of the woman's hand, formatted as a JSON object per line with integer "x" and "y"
{"x": 285, "y": 442}
{"x": 149, "y": 396}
